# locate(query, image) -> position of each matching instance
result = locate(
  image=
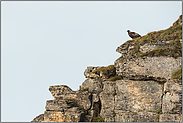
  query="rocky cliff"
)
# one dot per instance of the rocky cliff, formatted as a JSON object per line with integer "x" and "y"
{"x": 143, "y": 85}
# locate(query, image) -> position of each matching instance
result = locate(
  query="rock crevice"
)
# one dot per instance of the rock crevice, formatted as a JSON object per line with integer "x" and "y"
{"x": 139, "y": 87}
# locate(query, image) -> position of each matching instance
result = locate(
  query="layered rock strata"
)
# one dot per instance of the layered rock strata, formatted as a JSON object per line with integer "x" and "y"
{"x": 139, "y": 87}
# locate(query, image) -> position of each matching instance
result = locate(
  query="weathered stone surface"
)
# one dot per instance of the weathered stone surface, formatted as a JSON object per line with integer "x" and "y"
{"x": 145, "y": 93}
{"x": 54, "y": 116}
{"x": 139, "y": 117}
{"x": 103, "y": 73}
{"x": 109, "y": 119}
{"x": 149, "y": 46}
{"x": 138, "y": 95}
{"x": 70, "y": 115}
{"x": 92, "y": 85}
{"x": 39, "y": 118}
{"x": 170, "y": 118}
{"x": 126, "y": 48}
{"x": 58, "y": 105}
{"x": 62, "y": 91}
{"x": 148, "y": 67}
{"x": 107, "y": 104}
{"x": 172, "y": 98}
{"x": 109, "y": 86}
{"x": 84, "y": 99}
{"x": 95, "y": 98}
{"x": 88, "y": 73}
{"x": 87, "y": 118}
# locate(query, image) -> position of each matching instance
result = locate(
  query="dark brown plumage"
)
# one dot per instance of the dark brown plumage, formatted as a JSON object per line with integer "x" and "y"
{"x": 133, "y": 34}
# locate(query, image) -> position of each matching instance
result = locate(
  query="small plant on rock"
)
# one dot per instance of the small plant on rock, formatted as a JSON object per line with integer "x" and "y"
{"x": 159, "y": 111}
{"x": 156, "y": 118}
{"x": 82, "y": 108}
{"x": 114, "y": 78}
{"x": 113, "y": 114}
{"x": 177, "y": 74}
{"x": 85, "y": 89}
{"x": 97, "y": 119}
{"x": 134, "y": 113}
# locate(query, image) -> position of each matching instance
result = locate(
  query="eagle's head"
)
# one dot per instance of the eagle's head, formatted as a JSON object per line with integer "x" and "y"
{"x": 128, "y": 30}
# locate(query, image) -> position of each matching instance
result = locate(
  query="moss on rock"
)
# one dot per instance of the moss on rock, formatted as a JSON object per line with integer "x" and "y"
{"x": 108, "y": 71}
{"x": 177, "y": 74}
{"x": 97, "y": 119}
{"x": 173, "y": 33}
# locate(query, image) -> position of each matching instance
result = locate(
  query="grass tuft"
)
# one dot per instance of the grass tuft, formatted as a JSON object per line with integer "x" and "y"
{"x": 156, "y": 118}
{"x": 177, "y": 74}
{"x": 114, "y": 78}
{"x": 108, "y": 71}
{"x": 172, "y": 33}
{"x": 97, "y": 119}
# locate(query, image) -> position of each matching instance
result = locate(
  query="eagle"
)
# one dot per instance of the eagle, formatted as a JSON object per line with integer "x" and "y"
{"x": 133, "y": 34}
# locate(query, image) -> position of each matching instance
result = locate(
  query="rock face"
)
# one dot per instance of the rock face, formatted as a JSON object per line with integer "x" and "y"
{"x": 139, "y": 87}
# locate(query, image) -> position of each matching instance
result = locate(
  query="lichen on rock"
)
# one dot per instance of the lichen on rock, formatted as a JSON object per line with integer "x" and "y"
{"x": 143, "y": 85}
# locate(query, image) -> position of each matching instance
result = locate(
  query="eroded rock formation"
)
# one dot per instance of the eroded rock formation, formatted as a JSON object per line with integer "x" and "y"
{"x": 143, "y": 85}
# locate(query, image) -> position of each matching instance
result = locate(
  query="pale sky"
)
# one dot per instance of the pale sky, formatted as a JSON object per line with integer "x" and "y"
{"x": 52, "y": 43}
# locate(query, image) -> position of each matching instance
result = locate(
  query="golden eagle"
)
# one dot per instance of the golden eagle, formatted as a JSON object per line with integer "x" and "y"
{"x": 133, "y": 34}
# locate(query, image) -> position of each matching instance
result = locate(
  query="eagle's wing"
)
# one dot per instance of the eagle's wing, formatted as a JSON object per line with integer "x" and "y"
{"x": 133, "y": 34}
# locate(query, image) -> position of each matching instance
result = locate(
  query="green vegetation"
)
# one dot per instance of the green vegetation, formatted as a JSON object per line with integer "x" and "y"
{"x": 134, "y": 113}
{"x": 156, "y": 118}
{"x": 85, "y": 89}
{"x": 174, "y": 51}
{"x": 173, "y": 33}
{"x": 74, "y": 102}
{"x": 82, "y": 108}
{"x": 158, "y": 111}
{"x": 97, "y": 119}
{"x": 107, "y": 71}
{"x": 113, "y": 114}
{"x": 120, "y": 58}
{"x": 177, "y": 74}
{"x": 114, "y": 78}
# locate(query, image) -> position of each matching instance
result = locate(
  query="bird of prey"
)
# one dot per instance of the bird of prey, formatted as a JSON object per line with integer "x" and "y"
{"x": 133, "y": 34}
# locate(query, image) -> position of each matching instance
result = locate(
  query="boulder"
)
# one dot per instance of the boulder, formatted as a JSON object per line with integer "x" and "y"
{"x": 148, "y": 68}
{"x": 138, "y": 95}
{"x": 92, "y": 85}
{"x": 62, "y": 91}
{"x": 39, "y": 118}
{"x": 172, "y": 98}
{"x": 71, "y": 115}
{"x": 170, "y": 118}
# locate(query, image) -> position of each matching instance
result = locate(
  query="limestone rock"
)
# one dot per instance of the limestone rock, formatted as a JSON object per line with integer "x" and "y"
{"x": 149, "y": 46}
{"x": 138, "y": 95}
{"x": 71, "y": 115}
{"x": 103, "y": 73}
{"x": 170, "y": 118}
{"x": 136, "y": 117}
{"x": 88, "y": 72}
{"x": 84, "y": 100}
{"x": 62, "y": 91}
{"x": 39, "y": 118}
{"x": 156, "y": 68}
{"x": 58, "y": 105}
{"x": 145, "y": 93}
{"x": 92, "y": 85}
{"x": 172, "y": 98}
{"x": 107, "y": 104}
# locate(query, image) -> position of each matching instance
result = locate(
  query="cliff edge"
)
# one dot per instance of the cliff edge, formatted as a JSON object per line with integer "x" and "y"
{"x": 143, "y": 85}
